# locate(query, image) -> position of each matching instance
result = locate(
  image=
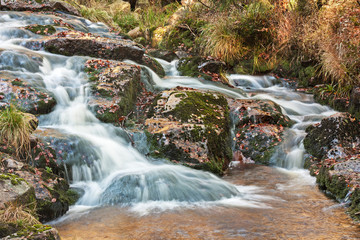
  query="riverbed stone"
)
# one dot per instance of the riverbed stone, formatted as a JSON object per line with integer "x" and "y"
{"x": 259, "y": 125}
{"x": 190, "y": 127}
{"x": 115, "y": 86}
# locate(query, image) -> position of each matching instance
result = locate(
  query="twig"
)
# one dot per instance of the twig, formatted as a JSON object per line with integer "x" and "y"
{"x": 187, "y": 27}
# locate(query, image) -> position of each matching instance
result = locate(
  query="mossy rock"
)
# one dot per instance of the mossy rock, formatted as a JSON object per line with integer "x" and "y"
{"x": 190, "y": 67}
{"x": 334, "y": 185}
{"x": 63, "y": 197}
{"x": 41, "y": 29}
{"x": 153, "y": 65}
{"x": 354, "y": 209}
{"x": 340, "y": 128}
{"x": 36, "y": 232}
{"x": 198, "y": 133}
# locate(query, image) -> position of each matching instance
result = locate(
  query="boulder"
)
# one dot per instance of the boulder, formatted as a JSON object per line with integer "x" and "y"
{"x": 72, "y": 43}
{"x": 338, "y": 129}
{"x": 29, "y": 99}
{"x": 115, "y": 86}
{"x": 334, "y": 145}
{"x": 14, "y": 189}
{"x": 24, "y": 184}
{"x": 37, "y": 6}
{"x": 190, "y": 127}
{"x": 259, "y": 125}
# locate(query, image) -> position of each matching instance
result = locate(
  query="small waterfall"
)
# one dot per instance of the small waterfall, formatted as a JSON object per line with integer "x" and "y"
{"x": 105, "y": 165}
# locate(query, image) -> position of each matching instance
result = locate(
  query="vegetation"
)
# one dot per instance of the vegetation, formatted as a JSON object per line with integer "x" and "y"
{"x": 15, "y": 129}
{"x": 316, "y": 41}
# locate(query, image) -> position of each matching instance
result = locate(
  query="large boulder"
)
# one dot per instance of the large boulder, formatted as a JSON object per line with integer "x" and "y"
{"x": 191, "y": 127}
{"x": 37, "y": 6}
{"x": 259, "y": 125}
{"x": 115, "y": 87}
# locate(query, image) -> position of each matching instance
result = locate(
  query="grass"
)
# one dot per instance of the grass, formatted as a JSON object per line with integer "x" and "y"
{"x": 15, "y": 129}
{"x": 19, "y": 215}
{"x": 262, "y": 32}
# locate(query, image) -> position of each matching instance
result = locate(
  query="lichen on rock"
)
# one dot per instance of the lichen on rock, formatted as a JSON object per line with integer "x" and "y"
{"x": 191, "y": 127}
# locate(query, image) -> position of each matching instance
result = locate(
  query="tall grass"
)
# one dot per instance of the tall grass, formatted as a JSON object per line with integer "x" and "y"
{"x": 15, "y": 130}
{"x": 245, "y": 32}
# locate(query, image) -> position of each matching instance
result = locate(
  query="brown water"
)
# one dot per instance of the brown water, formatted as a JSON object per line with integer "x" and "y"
{"x": 298, "y": 211}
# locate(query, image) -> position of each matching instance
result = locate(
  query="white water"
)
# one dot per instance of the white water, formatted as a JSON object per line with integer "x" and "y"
{"x": 117, "y": 173}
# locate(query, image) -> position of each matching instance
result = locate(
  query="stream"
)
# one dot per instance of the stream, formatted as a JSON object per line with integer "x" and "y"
{"x": 128, "y": 196}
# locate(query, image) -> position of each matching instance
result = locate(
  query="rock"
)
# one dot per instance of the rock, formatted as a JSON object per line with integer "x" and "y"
{"x": 207, "y": 69}
{"x": 35, "y": 232}
{"x": 30, "y": 96}
{"x": 120, "y": 6}
{"x": 355, "y": 102}
{"x": 212, "y": 66}
{"x": 14, "y": 189}
{"x": 72, "y": 43}
{"x": 158, "y": 35}
{"x": 334, "y": 145}
{"x": 153, "y": 65}
{"x": 162, "y": 54}
{"x": 115, "y": 87}
{"x": 338, "y": 129}
{"x": 135, "y": 33}
{"x": 25, "y": 184}
{"x": 259, "y": 125}
{"x": 44, "y": 5}
{"x": 190, "y": 127}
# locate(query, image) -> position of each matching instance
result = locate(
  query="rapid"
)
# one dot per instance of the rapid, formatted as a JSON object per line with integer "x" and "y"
{"x": 126, "y": 195}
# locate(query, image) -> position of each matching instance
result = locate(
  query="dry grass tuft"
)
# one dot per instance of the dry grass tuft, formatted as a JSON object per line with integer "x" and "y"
{"x": 15, "y": 129}
{"x": 18, "y": 215}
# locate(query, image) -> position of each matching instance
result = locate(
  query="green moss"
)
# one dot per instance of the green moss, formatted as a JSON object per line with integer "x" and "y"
{"x": 41, "y": 29}
{"x": 17, "y": 82}
{"x": 189, "y": 67}
{"x": 354, "y": 209}
{"x": 31, "y": 232}
{"x": 15, "y": 180}
{"x": 334, "y": 185}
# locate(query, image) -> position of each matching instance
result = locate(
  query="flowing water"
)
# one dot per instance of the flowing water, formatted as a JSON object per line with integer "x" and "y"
{"x": 128, "y": 196}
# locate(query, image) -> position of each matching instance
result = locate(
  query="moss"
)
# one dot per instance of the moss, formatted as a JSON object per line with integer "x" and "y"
{"x": 15, "y": 180}
{"x": 211, "y": 110}
{"x": 7, "y": 229}
{"x": 31, "y": 232}
{"x": 17, "y": 82}
{"x": 335, "y": 186}
{"x": 64, "y": 197}
{"x": 354, "y": 209}
{"x": 41, "y": 29}
{"x": 189, "y": 67}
